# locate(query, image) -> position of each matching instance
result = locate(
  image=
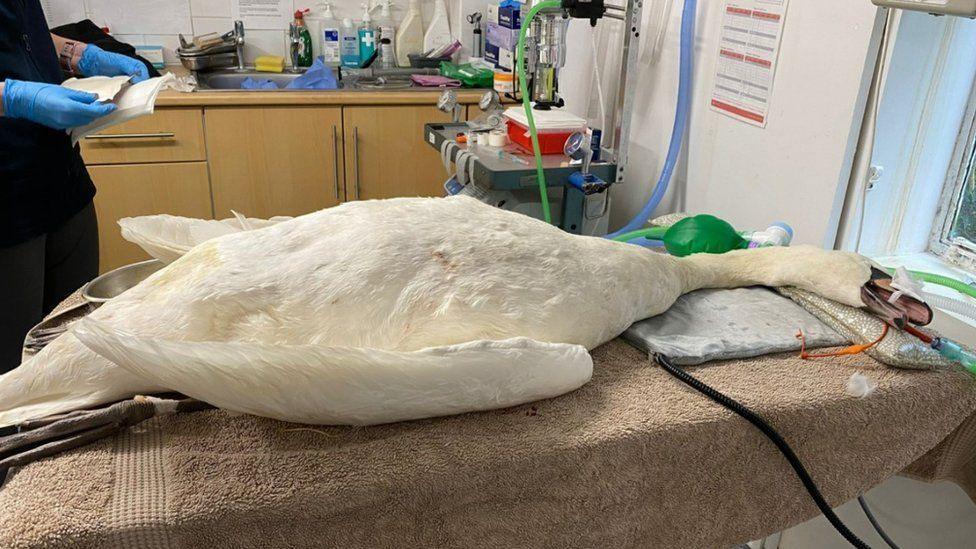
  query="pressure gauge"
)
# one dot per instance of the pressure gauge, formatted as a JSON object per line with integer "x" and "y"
{"x": 576, "y": 146}
{"x": 447, "y": 101}
{"x": 489, "y": 101}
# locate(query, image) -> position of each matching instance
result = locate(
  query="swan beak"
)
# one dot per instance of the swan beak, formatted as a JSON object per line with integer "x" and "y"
{"x": 903, "y": 311}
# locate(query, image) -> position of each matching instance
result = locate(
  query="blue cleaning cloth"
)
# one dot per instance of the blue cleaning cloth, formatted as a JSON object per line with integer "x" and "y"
{"x": 317, "y": 77}
{"x": 262, "y": 84}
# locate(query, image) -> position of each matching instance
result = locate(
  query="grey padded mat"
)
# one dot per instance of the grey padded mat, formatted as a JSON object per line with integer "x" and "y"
{"x": 722, "y": 324}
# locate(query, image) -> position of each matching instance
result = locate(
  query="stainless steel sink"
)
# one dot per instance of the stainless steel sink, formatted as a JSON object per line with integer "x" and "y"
{"x": 231, "y": 79}
{"x": 359, "y": 80}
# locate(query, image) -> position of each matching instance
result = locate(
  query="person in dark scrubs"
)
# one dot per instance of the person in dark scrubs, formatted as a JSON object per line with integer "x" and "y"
{"x": 48, "y": 230}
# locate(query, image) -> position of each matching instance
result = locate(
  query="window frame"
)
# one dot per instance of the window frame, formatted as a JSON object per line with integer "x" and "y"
{"x": 961, "y": 254}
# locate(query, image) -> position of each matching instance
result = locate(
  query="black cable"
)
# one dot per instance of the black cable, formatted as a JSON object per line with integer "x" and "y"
{"x": 875, "y": 523}
{"x": 775, "y": 437}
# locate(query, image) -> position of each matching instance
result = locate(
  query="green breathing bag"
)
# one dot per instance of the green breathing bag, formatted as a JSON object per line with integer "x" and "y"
{"x": 702, "y": 234}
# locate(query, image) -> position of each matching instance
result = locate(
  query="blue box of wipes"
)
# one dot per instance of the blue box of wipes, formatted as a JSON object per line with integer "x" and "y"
{"x": 500, "y": 57}
{"x": 510, "y": 15}
{"x": 491, "y": 53}
{"x": 503, "y": 37}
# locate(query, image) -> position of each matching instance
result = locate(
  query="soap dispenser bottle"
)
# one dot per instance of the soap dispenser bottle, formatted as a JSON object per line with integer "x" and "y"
{"x": 410, "y": 35}
{"x": 350, "y": 44}
{"x": 329, "y": 37}
{"x": 367, "y": 36}
{"x": 385, "y": 26}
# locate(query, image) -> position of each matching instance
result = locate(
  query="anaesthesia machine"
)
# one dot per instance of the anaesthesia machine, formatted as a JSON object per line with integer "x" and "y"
{"x": 524, "y": 157}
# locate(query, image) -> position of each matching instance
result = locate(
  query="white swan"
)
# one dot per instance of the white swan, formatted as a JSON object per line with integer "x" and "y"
{"x": 379, "y": 311}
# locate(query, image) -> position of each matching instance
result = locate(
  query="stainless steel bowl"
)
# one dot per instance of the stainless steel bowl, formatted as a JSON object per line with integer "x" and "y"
{"x": 209, "y": 62}
{"x": 113, "y": 283}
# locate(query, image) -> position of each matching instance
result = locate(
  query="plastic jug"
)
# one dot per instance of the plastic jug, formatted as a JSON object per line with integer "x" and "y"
{"x": 439, "y": 31}
{"x": 410, "y": 35}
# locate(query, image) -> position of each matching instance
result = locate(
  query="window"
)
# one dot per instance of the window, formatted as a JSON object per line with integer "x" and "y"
{"x": 963, "y": 228}
{"x": 954, "y": 232}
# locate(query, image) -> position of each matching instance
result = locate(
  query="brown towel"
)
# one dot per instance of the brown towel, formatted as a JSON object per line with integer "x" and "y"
{"x": 633, "y": 459}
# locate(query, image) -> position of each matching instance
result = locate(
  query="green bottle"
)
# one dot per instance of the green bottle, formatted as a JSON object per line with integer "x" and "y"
{"x": 304, "y": 40}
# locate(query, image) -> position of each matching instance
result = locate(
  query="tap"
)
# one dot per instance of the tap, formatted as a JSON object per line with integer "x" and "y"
{"x": 294, "y": 45}
{"x": 239, "y": 43}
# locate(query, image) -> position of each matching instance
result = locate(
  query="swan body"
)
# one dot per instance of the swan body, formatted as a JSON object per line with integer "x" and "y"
{"x": 385, "y": 310}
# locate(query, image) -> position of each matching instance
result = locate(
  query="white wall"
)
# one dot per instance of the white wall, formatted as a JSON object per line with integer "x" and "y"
{"x": 796, "y": 169}
{"x": 207, "y": 16}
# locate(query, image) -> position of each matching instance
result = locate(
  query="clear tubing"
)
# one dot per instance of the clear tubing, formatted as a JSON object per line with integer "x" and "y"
{"x": 527, "y": 103}
{"x": 682, "y": 112}
{"x": 946, "y": 281}
{"x": 941, "y": 280}
{"x": 962, "y": 308}
{"x": 645, "y": 242}
{"x": 653, "y": 233}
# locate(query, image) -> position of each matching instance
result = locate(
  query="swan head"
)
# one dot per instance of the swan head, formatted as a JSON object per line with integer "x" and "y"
{"x": 895, "y": 307}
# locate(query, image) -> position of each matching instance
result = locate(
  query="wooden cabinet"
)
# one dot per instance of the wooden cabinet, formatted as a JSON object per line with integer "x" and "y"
{"x": 268, "y": 161}
{"x": 261, "y": 161}
{"x": 167, "y": 135}
{"x": 386, "y": 155}
{"x": 177, "y": 188}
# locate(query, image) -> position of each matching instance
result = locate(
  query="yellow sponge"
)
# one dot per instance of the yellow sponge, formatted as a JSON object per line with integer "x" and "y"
{"x": 270, "y": 63}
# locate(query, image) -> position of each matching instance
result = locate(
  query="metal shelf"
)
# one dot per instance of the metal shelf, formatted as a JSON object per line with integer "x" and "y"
{"x": 505, "y": 174}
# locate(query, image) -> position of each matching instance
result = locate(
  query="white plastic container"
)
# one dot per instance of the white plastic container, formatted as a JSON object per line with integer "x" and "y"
{"x": 410, "y": 35}
{"x": 329, "y": 37}
{"x": 439, "y": 31}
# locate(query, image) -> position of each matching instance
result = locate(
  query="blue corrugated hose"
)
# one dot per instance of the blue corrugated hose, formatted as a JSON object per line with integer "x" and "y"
{"x": 681, "y": 115}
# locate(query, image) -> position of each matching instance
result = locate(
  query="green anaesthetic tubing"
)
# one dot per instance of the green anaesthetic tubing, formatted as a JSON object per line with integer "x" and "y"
{"x": 527, "y": 103}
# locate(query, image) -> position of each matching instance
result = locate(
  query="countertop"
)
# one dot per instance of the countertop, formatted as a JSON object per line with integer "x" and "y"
{"x": 415, "y": 96}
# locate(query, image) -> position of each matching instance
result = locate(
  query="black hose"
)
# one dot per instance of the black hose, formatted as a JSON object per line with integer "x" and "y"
{"x": 775, "y": 437}
{"x": 875, "y": 523}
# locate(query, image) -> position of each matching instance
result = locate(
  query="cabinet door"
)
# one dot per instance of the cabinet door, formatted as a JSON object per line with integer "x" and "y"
{"x": 386, "y": 155}
{"x": 268, "y": 161}
{"x": 128, "y": 190}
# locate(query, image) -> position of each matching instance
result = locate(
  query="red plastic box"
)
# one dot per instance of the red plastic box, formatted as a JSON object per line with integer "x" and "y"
{"x": 553, "y": 127}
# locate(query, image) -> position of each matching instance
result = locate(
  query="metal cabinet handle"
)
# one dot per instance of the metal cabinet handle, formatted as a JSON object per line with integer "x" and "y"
{"x": 355, "y": 156}
{"x": 335, "y": 160}
{"x": 160, "y": 135}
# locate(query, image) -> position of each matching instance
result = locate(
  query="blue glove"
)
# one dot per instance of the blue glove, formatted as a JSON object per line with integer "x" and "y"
{"x": 51, "y": 105}
{"x": 97, "y": 62}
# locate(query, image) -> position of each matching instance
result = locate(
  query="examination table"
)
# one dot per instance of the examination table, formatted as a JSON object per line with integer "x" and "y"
{"x": 632, "y": 459}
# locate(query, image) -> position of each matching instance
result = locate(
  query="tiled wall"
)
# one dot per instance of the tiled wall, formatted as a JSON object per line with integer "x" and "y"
{"x": 215, "y": 16}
